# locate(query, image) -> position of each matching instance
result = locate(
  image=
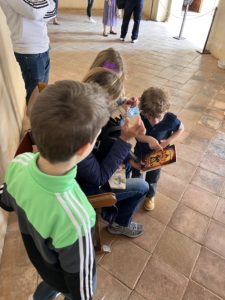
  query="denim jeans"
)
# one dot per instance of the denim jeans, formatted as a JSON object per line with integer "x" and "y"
{"x": 46, "y": 292}
{"x": 89, "y": 7}
{"x": 129, "y": 199}
{"x": 151, "y": 177}
{"x": 132, "y": 7}
{"x": 35, "y": 68}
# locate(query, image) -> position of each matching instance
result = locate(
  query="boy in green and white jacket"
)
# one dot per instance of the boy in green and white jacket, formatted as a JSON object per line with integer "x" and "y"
{"x": 55, "y": 218}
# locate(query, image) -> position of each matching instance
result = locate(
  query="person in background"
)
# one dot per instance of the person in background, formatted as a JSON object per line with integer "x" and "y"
{"x": 89, "y": 11}
{"x": 55, "y": 20}
{"x": 131, "y": 7}
{"x": 109, "y": 16}
{"x": 27, "y": 21}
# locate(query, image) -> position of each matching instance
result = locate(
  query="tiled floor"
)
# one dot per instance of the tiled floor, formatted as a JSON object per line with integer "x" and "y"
{"x": 182, "y": 252}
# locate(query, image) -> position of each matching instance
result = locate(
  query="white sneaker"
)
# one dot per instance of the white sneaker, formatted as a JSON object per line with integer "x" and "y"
{"x": 134, "y": 41}
{"x": 122, "y": 39}
{"x": 90, "y": 20}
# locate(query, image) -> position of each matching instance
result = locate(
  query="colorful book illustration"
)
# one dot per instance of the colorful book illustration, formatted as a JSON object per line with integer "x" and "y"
{"x": 158, "y": 159}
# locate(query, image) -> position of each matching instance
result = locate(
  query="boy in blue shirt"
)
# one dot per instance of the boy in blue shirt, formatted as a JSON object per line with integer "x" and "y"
{"x": 162, "y": 128}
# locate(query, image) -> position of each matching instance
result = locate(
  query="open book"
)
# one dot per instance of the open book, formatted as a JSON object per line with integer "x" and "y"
{"x": 158, "y": 159}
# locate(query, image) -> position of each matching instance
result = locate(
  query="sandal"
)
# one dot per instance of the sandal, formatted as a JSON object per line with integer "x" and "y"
{"x": 105, "y": 34}
{"x": 112, "y": 32}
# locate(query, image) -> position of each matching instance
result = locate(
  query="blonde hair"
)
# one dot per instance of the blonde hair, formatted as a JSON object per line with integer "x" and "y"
{"x": 110, "y": 59}
{"x": 107, "y": 79}
{"x": 154, "y": 101}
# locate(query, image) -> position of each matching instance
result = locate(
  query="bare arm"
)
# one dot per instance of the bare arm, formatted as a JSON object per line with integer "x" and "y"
{"x": 151, "y": 141}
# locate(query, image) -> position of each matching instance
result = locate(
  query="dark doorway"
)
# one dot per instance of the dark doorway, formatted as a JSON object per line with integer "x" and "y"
{"x": 196, "y": 6}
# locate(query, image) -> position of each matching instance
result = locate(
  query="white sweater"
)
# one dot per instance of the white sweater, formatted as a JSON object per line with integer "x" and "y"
{"x": 27, "y": 21}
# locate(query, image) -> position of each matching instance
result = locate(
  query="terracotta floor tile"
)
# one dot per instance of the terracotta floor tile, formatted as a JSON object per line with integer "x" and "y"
{"x": 119, "y": 263}
{"x": 153, "y": 230}
{"x": 190, "y": 223}
{"x": 217, "y": 147}
{"x": 13, "y": 222}
{"x": 200, "y": 200}
{"x": 208, "y": 181}
{"x": 164, "y": 208}
{"x": 186, "y": 153}
{"x": 11, "y": 258}
{"x": 109, "y": 287}
{"x": 219, "y": 213}
{"x": 210, "y": 272}
{"x": 195, "y": 291}
{"x": 166, "y": 186}
{"x": 215, "y": 238}
{"x": 17, "y": 283}
{"x": 213, "y": 164}
{"x": 136, "y": 296}
{"x": 178, "y": 251}
{"x": 181, "y": 169}
{"x": 209, "y": 121}
{"x": 160, "y": 281}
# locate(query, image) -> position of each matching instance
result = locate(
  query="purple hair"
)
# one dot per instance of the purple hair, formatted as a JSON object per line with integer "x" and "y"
{"x": 109, "y": 65}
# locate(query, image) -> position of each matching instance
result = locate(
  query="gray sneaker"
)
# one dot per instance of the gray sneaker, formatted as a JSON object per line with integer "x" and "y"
{"x": 132, "y": 231}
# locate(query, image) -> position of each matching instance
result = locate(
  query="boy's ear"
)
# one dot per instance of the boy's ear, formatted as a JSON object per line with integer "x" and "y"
{"x": 83, "y": 149}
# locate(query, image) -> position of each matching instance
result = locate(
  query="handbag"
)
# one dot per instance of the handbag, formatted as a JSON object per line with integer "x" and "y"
{"x": 120, "y": 4}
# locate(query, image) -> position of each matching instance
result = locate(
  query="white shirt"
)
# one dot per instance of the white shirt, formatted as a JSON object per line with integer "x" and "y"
{"x": 27, "y": 21}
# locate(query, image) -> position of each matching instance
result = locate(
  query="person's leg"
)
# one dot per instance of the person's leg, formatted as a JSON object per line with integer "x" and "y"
{"x": 35, "y": 68}
{"x": 128, "y": 10}
{"x": 44, "y": 292}
{"x": 129, "y": 199}
{"x": 89, "y": 10}
{"x": 152, "y": 177}
{"x": 137, "y": 18}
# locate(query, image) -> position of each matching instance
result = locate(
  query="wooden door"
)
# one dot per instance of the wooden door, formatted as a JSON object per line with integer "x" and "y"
{"x": 196, "y": 5}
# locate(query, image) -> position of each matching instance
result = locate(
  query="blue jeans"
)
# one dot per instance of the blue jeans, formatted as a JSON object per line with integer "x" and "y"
{"x": 152, "y": 177}
{"x": 35, "y": 68}
{"x": 46, "y": 292}
{"x": 132, "y": 7}
{"x": 129, "y": 199}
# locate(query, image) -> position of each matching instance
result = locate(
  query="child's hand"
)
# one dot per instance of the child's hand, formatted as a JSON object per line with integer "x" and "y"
{"x": 153, "y": 143}
{"x": 135, "y": 165}
{"x": 132, "y": 128}
{"x": 164, "y": 143}
{"x": 132, "y": 102}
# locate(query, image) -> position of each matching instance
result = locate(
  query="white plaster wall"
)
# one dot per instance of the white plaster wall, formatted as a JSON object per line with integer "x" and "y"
{"x": 12, "y": 103}
{"x": 216, "y": 43}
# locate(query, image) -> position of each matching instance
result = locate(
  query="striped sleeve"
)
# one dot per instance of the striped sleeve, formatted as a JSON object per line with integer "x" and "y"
{"x": 33, "y": 9}
{"x": 78, "y": 260}
{"x": 5, "y": 201}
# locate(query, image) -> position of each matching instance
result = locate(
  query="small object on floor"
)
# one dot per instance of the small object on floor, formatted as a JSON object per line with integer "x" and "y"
{"x": 149, "y": 203}
{"x": 112, "y": 32}
{"x": 122, "y": 39}
{"x": 133, "y": 230}
{"x": 134, "y": 41}
{"x": 90, "y": 20}
{"x": 105, "y": 34}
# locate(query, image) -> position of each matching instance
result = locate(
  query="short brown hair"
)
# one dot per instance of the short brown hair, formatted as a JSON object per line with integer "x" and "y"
{"x": 154, "y": 101}
{"x": 66, "y": 116}
{"x": 107, "y": 79}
